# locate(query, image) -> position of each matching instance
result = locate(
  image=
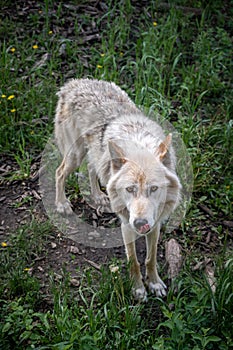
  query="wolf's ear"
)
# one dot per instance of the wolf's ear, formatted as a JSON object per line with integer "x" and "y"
{"x": 161, "y": 151}
{"x": 117, "y": 155}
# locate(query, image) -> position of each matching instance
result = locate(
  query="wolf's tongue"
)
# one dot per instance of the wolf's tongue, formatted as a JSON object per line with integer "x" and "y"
{"x": 145, "y": 228}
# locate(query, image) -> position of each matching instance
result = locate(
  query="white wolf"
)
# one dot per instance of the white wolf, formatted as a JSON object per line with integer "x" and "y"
{"x": 127, "y": 153}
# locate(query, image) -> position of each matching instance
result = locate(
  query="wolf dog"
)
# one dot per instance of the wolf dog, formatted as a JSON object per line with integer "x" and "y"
{"x": 127, "y": 153}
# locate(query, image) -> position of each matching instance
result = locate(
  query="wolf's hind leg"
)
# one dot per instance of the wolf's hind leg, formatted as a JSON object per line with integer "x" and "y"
{"x": 154, "y": 282}
{"x": 70, "y": 162}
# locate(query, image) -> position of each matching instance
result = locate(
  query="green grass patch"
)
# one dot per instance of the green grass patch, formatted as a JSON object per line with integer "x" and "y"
{"x": 101, "y": 314}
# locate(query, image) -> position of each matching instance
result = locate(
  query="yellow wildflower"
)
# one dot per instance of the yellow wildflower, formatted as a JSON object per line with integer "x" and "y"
{"x": 4, "y": 244}
{"x": 3, "y": 96}
{"x": 50, "y": 32}
{"x": 102, "y": 54}
{"x": 27, "y": 269}
{"x": 11, "y": 97}
{"x": 35, "y": 47}
{"x": 99, "y": 66}
{"x": 13, "y": 110}
{"x": 155, "y": 24}
{"x": 13, "y": 49}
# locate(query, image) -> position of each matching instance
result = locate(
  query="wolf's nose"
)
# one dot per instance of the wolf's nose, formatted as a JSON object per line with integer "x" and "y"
{"x": 141, "y": 225}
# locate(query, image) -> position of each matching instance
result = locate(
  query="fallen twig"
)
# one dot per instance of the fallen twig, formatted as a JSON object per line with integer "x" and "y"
{"x": 92, "y": 263}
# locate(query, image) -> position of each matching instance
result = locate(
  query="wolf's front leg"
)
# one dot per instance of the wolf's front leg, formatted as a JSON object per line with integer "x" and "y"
{"x": 154, "y": 282}
{"x": 129, "y": 237}
{"x": 100, "y": 198}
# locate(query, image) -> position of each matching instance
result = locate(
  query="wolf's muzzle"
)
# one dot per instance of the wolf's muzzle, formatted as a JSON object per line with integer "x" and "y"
{"x": 142, "y": 226}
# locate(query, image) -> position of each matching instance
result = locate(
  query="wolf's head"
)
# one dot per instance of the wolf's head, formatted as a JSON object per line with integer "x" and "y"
{"x": 143, "y": 187}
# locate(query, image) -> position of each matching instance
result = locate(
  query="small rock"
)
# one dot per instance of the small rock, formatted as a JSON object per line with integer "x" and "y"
{"x": 74, "y": 250}
{"x": 173, "y": 257}
{"x": 40, "y": 269}
{"x": 74, "y": 282}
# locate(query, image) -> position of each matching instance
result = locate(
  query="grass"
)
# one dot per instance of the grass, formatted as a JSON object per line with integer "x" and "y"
{"x": 172, "y": 62}
{"x": 100, "y": 313}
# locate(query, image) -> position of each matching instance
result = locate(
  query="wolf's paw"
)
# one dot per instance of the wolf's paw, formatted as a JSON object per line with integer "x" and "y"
{"x": 102, "y": 203}
{"x": 140, "y": 294}
{"x": 158, "y": 288}
{"x": 64, "y": 208}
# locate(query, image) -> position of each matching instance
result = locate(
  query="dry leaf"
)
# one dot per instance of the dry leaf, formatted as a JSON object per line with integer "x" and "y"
{"x": 42, "y": 61}
{"x": 209, "y": 271}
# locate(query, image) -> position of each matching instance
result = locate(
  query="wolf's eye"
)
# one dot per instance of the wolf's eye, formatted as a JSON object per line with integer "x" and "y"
{"x": 153, "y": 188}
{"x": 130, "y": 189}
